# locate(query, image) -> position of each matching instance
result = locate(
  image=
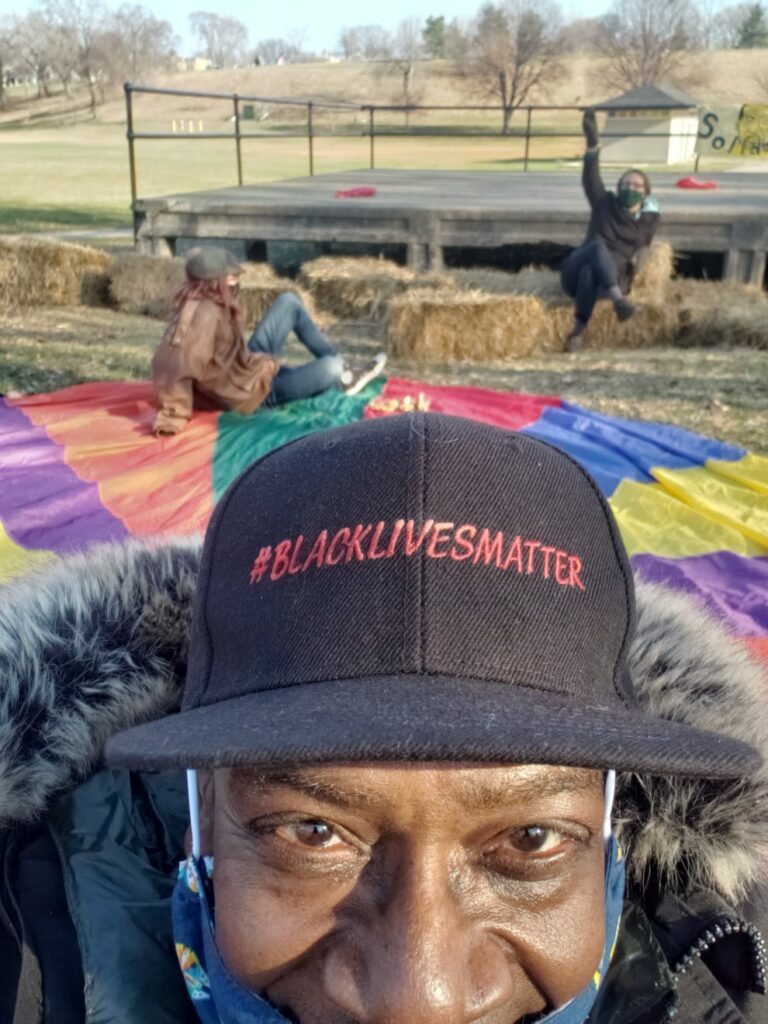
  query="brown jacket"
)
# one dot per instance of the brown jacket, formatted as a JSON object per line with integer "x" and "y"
{"x": 203, "y": 355}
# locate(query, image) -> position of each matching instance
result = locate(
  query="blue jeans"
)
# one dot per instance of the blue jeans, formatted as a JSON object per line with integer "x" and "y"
{"x": 586, "y": 274}
{"x": 287, "y": 314}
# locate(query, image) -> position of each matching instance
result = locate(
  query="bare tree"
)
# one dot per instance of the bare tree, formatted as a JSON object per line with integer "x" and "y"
{"x": 7, "y": 54}
{"x": 33, "y": 49}
{"x": 297, "y": 45}
{"x": 83, "y": 24}
{"x": 643, "y": 39}
{"x": 145, "y": 44}
{"x": 289, "y": 51}
{"x": 582, "y": 36}
{"x": 403, "y": 52}
{"x": 723, "y": 28}
{"x": 458, "y": 42}
{"x": 370, "y": 42}
{"x": 62, "y": 52}
{"x": 271, "y": 51}
{"x": 224, "y": 39}
{"x": 515, "y": 49}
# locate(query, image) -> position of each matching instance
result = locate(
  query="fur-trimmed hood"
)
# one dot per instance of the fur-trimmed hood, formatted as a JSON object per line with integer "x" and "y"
{"x": 98, "y": 643}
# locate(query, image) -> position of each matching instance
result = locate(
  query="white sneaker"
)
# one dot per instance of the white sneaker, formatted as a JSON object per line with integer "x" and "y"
{"x": 353, "y": 380}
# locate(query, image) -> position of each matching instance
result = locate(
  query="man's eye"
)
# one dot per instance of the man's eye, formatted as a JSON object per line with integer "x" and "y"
{"x": 317, "y": 834}
{"x": 536, "y": 839}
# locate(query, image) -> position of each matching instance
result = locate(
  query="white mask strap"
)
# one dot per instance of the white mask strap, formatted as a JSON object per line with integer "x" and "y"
{"x": 194, "y": 811}
{"x": 610, "y": 793}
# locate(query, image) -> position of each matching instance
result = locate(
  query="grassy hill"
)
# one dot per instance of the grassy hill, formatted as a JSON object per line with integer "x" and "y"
{"x": 62, "y": 168}
{"x": 720, "y": 78}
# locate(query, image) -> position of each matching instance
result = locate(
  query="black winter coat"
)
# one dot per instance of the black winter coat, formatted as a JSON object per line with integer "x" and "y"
{"x": 88, "y": 854}
{"x": 624, "y": 235}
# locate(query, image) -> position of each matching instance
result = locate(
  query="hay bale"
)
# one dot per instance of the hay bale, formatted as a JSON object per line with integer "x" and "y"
{"x": 445, "y": 325}
{"x": 652, "y": 326}
{"x": 652, "y": 279}
{"x": 654, "y": 273}
{"x": 145, "y": 284}
{"x": 719, "y": 312}
{"x": 43, "y": 272}
{"x": 256, "y": 298}
{"x": 538, "y": 281}
{"x": 355, "y": 289}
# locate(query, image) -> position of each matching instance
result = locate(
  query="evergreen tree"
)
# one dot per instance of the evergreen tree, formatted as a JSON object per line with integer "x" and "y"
{"x": 434, "y": 37}
{"x": 753, "y": 31}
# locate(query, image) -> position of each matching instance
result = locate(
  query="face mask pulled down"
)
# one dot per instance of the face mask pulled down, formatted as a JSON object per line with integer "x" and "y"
{"x": 220, "y": 999}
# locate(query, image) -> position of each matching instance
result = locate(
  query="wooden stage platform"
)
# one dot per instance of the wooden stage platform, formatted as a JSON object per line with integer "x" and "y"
{"x": 427, "y": 211}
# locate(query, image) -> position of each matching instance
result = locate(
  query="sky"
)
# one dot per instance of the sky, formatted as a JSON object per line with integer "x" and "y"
{"x": 320, "y": 20}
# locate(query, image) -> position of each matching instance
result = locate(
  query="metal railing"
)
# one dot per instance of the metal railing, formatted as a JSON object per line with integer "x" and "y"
{"x": 370, "y": 129}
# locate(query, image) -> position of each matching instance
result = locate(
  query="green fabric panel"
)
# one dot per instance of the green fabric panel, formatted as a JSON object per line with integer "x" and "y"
{"x": 243, "y": 439}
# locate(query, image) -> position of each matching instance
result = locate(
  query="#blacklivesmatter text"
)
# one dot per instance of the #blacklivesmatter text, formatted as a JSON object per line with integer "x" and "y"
{"x": 467, "y": 543}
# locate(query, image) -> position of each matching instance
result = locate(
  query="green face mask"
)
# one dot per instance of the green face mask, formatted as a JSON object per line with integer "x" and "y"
{"x": 629, "y": 197}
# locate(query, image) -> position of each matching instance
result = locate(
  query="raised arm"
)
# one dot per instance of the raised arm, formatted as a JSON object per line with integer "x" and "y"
{"x": 594, "y": 189}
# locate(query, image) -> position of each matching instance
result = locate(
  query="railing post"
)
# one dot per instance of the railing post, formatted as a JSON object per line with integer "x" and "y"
{"x": 238, "y": 138}
{"x": 527, "y": 139}
{"x": 371, "y": 135}
{"x": 311, "y": 139}
{"x": 131, "y": 150}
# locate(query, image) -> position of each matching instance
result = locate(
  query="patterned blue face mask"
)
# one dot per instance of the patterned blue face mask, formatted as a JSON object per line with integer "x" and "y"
{"x": 220, "y": 999}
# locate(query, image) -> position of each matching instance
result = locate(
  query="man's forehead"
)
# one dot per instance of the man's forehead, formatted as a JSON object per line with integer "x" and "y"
{"x": 478, "y": 786}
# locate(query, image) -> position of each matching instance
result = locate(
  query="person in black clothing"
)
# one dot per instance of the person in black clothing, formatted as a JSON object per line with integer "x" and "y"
{"x": 621, "y": 224}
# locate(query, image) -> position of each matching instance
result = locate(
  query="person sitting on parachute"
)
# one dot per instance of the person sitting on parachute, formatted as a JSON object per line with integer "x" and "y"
{"x": 622, "y": 223}
{"x": 204, "y": 358}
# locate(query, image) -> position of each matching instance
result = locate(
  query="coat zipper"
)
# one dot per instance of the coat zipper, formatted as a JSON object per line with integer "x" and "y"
{"x": 714, "y": 933}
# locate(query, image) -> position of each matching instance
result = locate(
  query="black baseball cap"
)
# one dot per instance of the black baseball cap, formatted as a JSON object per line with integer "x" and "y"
{"x": 416, "y": 588}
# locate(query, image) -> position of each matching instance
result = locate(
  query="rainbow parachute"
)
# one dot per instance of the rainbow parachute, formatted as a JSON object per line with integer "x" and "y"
{"x": 81, "y": 466}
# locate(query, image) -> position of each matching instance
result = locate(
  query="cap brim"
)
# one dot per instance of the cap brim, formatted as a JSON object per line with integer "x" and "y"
{"x": 425, "y": 719}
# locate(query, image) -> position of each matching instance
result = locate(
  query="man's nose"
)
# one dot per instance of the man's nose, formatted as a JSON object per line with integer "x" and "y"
{"x": 417, "y": 955}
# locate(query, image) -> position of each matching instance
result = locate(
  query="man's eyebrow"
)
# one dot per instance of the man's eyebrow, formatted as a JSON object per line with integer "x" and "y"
{"x": 473, "y": 793}
{"x": 487, "y": 795}
{"x": 304, "y": 781}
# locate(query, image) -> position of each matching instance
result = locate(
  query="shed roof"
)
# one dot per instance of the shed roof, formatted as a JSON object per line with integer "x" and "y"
{"x": 650, "y": 97}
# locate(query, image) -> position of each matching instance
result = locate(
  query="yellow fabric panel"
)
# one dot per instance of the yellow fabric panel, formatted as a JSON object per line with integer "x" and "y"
{"x": 16, "y": 560}
{"x": 654, "y": 522}
{"x": 738, "y": 508}
{"x": 751, "y": 471}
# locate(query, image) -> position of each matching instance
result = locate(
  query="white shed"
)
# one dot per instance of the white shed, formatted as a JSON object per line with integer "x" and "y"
{"x": 650, "y": 125}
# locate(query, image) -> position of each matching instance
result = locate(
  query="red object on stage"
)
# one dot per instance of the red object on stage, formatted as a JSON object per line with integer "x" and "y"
{"x": 690, "y": 182}
{"x": 362, "y": 192}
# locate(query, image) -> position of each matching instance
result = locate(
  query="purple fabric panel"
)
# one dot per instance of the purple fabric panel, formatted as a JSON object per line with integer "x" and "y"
{"x": 735, "y": 588}
{"x": 43, "y": 503}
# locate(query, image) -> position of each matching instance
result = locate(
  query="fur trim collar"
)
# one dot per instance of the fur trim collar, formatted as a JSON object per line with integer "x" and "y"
{"x": 99, "y": 643}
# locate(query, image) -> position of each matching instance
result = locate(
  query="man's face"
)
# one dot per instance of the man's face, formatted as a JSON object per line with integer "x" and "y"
{"x": 410, "y": 894}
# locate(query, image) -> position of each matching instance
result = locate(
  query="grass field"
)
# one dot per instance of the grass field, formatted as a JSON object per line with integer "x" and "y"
{"x": 720, "y": 392}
